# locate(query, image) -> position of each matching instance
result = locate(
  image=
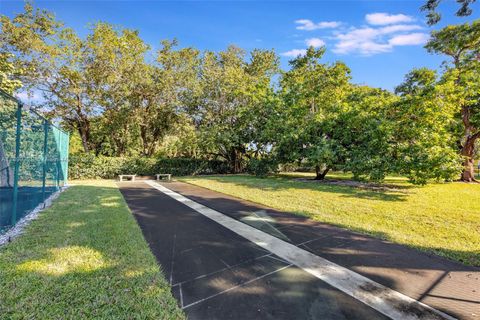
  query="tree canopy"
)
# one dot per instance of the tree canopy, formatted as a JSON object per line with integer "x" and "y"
{"x": 119, "y": 98}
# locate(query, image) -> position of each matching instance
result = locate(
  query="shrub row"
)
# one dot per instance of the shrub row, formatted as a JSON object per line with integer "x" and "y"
{"x": 86, "y": 166}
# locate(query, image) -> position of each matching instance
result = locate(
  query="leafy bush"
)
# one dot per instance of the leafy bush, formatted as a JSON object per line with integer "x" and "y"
{"x": 261, "y": 167}
{"x": 87, "y": 166}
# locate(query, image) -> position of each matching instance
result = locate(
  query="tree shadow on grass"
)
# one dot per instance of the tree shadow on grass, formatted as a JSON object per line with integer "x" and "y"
{"x": 279, "y": 183}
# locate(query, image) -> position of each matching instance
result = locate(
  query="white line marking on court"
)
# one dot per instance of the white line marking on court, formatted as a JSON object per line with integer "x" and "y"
{"x": 383, "y": 299}
{"x": 278, "y": 259}
{"x": 237, "y": 286}
{"x": 173, "y": 255}
{"x": 308, "y": 241}
{"x": 223, "y": 269}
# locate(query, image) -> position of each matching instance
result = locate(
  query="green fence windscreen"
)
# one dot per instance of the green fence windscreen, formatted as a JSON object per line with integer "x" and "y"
{"x": 33, "y": 160}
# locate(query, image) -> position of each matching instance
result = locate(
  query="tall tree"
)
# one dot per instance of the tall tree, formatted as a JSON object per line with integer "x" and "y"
{"x": 49, "y": 54}
{"x": 313, "y": 92}
{"x": 366, "y": 133}
{"x": 235, "y": 94}
{"x": 80, "y": 78}
{"x": 167, "y": 97}
{"x": 424, "y": 119}
{"x": 462, "y": 44}
{"x": 116, "y": 66}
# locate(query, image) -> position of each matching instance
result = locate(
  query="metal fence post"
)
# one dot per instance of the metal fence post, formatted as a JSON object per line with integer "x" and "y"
{"x": 66, "y": 154}
{"x": 58, "y": 166}
{"x": 45, "y": 149}
{"x": 17, "y": 164}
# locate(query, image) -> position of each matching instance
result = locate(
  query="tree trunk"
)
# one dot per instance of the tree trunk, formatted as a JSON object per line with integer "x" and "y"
{"x": 320, "y": 174}
{"x": 6, "y": 173}
{"x": 468, "y": 149}
{"x": 84, "y": 132}
{"x": 235, "y": 161}
{"x": 143, "y": 137}
{"x": 121, "y": 141}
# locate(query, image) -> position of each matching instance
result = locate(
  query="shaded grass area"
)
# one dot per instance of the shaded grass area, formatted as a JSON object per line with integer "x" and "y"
{"x": 443, "y": 219}
{"x": 84, "y": 258}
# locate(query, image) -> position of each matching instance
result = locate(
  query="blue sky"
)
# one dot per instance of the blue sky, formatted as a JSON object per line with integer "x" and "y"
{"x": 379, "y": 40}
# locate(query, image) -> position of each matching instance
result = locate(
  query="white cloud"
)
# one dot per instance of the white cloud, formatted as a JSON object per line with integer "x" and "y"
{"x": 364, "y": 47}
{"x": 309, "y": 25}
{"x": 398, "y": 28}
{"x": 370, "y": 40}
{"x": 409, "y": 39}
{"x": 294, "y": 53}
{"x": 315, "y": 42}
{"x": 381, "y": 19}
{"x": 382, "y": 34}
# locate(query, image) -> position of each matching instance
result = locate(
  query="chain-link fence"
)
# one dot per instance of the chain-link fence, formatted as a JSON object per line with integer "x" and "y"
{"x": 33, "y": 160}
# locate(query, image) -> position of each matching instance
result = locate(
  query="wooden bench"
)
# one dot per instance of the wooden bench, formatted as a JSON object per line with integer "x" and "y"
{"x": 131, "y": 176}
{"x": 164, "y": 175}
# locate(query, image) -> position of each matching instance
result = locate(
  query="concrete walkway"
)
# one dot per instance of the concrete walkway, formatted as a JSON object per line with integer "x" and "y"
{"x": 217, "y": 274}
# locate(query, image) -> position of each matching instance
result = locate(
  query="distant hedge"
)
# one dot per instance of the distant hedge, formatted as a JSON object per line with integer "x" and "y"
{"x": 92, "y": 167}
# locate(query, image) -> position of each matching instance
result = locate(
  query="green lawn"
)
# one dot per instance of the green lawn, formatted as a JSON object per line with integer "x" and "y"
{"x": 439, "y": 218}
{"x": 84, "y": 258}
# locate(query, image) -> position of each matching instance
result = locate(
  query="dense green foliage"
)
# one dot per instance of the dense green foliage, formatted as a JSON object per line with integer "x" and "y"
{"x": 91, "y": 167}
{"x": 84, "y": 258}
{"x": 261, "y": 167}
{"x": 459, "y": 86}
{"x": 8, "y": 83}
{"x": 239, "y": 107}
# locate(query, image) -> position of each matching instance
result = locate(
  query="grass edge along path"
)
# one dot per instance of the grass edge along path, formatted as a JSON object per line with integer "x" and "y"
{"x": 84, "y": 258}
{"x": 443, "y": 219}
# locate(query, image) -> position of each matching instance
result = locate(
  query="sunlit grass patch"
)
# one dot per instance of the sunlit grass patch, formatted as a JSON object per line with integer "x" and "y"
{"x": 84, "y": 258}
{"x": 442, "y": 218}
{"x": 61, "y": 261}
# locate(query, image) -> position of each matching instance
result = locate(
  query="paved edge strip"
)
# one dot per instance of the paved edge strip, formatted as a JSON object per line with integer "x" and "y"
{"x": 381, "y": 298}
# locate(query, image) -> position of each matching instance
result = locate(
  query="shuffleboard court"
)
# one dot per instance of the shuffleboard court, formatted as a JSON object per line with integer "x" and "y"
{"x": 229, "y": 255}
{"x": 217, "y": 274}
